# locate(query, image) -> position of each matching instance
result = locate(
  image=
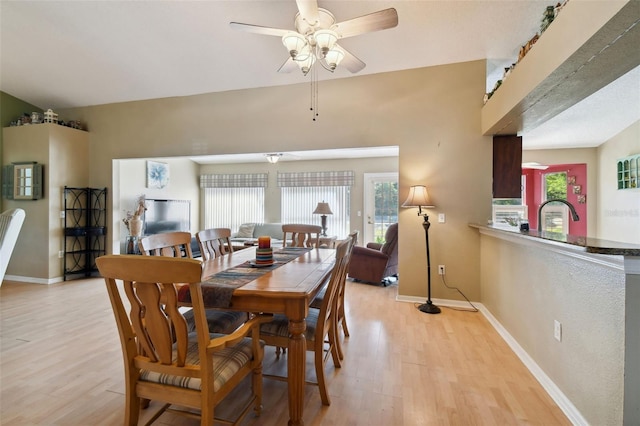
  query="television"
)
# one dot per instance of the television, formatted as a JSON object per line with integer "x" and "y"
{"x": 166, "y": 216}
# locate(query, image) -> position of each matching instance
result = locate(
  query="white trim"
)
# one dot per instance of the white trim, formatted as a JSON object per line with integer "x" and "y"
{"x": 33, "y": 280}
{"x": 549, "y": 386}
{"x": 554, "y": 391}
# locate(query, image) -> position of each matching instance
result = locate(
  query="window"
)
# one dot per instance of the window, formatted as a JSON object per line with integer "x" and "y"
{"x": 233, "y": 199}
{"x": 298, "y": 204}
{"x": 509, "y": 212}
{"x": 301, "y": 192}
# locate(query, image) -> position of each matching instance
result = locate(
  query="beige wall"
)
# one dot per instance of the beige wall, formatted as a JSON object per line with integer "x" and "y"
{"x": 130, "y": 182}
{"x": 527, "y": 285}
{"x": 432, "y": 114}
{"x": 63, "y": 151}
{"x": 618, "y": 210}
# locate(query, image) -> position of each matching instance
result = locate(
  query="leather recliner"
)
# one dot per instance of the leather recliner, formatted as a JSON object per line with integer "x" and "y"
{"x": 376, "y": 262}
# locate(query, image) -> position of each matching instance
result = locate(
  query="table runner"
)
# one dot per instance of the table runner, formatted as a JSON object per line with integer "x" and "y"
{"x": 218, "y": 289}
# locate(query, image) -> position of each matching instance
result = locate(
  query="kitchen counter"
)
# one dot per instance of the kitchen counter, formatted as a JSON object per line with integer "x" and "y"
{"x": 590, "y": 245}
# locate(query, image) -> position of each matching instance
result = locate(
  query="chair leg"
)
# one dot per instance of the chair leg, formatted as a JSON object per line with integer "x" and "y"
{"x": 256, "y": 384}
{"x": 345, "y": 329}
{"x": 334, "y": 344}
{"x": 133, "y": 405}
{"x": 322, "y": 385}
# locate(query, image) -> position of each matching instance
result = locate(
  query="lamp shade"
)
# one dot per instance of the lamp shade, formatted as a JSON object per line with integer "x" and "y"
{"x": 325, "y": 40}
{"x": 322, "y": 208}
{"x": 295, "y": 44}
{"x": 333, "y": 58}
{"x": 418, "y": 197}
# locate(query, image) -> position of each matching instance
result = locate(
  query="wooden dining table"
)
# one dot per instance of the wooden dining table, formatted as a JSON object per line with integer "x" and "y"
{"x": 285, "y": 288}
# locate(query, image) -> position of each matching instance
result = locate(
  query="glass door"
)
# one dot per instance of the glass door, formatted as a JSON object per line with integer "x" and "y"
{"x": 555, "y": 216}
{"x": 380, "y": 205}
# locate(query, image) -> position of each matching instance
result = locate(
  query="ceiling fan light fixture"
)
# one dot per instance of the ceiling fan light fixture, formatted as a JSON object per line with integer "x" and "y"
{"x": 306, "y": 64}
{"x": 295, "y": 44}
{"x": 325, "y": 40}
{"x": 273, "y": 158}
{"x": 333, "y": 58}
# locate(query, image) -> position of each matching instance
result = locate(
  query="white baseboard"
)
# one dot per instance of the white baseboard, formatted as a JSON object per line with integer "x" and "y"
{"x": 32, "y": 280}
{"x": 554, "y": 392}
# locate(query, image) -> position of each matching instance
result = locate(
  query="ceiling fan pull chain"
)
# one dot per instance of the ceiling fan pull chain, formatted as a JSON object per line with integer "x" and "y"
{"x": 315, "y": 75}
{"x": 314, "y": 93}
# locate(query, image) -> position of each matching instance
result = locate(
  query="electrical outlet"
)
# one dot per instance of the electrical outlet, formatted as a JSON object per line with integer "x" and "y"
{"x": 62, "y": 214}
{"x": 441, "y": 218}
{"x": 60, "y": 254}
{"x": 557, "y": 330}
{"x": 440, "y": 269}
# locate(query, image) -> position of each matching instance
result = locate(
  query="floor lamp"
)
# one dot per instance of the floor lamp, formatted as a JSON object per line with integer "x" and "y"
{"x": 419, "y": 198}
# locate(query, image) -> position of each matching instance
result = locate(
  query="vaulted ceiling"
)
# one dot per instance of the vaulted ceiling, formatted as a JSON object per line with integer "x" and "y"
{"x": 60, "y": 54}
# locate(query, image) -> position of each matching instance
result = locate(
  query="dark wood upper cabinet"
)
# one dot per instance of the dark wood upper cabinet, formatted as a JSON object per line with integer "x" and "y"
{"x": 507, "y": 166}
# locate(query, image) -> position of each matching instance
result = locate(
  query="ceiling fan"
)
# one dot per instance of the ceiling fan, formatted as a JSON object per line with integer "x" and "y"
{"x": 317, "y": 33}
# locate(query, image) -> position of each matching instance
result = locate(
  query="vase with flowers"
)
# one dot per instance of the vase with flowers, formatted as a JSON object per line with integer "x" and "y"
{"x": 133, "y": 219}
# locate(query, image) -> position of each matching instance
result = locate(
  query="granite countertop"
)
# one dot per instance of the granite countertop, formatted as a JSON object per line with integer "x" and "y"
{"x": 591, "y": 245}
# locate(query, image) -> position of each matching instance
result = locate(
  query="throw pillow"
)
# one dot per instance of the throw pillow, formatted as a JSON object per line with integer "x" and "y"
{"x": 246, "y": 230}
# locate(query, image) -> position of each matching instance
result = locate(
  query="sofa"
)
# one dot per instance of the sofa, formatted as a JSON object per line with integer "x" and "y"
{"x": 249, "y": 233}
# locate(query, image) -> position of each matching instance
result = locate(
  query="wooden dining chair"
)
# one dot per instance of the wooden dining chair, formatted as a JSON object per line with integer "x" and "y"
{"x": 178, "y": 244}
{"x": 171, "y": 244}
{"x": 340, "y": 317}
{"x": 301, "y": 235}
{"x": 214, "y": 242}
{"x": 163, "y": 361}
{"x": 320, "y": 332}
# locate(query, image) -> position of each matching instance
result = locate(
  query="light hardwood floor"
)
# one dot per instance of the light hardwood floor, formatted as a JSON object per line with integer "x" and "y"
{"x": 61, "y": 364}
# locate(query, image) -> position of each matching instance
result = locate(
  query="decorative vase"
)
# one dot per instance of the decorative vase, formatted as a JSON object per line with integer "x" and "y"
{"x": 135, "y": 226}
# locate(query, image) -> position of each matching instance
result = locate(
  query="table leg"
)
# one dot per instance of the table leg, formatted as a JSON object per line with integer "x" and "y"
{"x": 296, "y": 370}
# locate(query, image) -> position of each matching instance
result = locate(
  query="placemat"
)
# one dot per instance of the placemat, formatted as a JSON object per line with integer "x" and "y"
{"x": 218, "y": 289}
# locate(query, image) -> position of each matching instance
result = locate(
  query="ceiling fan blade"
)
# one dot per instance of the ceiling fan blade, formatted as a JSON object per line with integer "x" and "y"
{"x": 288, "y": 66}
{"x": 309, "y": 10}
{"x": 258, "y": 29}
{"x": 350, "y": 62}
{"x": 376, "y": 21}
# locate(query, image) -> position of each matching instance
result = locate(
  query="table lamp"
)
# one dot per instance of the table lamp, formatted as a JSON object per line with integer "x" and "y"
{"x": 323, "y": 209}
{"x": 418, "y": 197}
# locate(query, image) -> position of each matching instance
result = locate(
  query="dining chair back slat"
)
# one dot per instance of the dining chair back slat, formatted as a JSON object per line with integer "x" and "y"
{"x": 171, "y": 244}
{"x": 301, "y": 235}
{"x": 214, "y": 242}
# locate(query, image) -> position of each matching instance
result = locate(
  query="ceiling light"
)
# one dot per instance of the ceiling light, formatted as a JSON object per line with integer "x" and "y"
{"x": 295, "y": 44}
{"x": 306, "y": 63}
{"x": 273, "y": 158}
{"x": 333, "y": 58}
{"x": 325, "y": 40}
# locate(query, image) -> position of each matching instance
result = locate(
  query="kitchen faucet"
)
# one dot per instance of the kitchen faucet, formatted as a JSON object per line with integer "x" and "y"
{"x": 574, "y": 214}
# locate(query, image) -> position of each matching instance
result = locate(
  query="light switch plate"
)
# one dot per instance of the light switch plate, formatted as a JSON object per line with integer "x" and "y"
{"x": 441, "y": 218}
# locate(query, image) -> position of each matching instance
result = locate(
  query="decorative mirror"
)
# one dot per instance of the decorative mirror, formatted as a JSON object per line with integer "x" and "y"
{"x": 22, "y": 181}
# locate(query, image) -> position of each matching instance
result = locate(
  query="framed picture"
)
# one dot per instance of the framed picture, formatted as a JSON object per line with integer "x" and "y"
{"x": 582, "y": 199}
{"x": 571, "y": 180}
{"x": 157, "y": 174}
{"x": 577, "y": 189}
